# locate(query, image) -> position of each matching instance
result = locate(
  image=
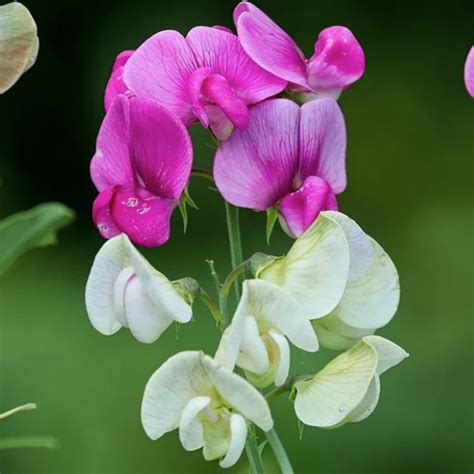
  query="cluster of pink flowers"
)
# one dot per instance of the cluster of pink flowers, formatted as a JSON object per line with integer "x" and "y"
{"x": 273, "y": 153}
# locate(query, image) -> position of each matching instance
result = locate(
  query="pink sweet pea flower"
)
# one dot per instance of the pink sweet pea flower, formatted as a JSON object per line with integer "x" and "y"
{"x": 337, "y": 62}
{"x": 290, "y": 157}
{"x": 469, "y": 72}
{"x": 115, "y": 84}
{"x": 205, "y": 76}
{"x": 141, "y": 167}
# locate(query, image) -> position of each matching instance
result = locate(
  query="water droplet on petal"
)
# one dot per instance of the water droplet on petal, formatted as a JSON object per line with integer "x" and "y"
{"x": 143, "y": 210}
{"x": 132, "y": 202}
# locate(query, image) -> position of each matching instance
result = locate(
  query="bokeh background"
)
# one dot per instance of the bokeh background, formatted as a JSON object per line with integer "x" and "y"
{"x": 410, "y": 124}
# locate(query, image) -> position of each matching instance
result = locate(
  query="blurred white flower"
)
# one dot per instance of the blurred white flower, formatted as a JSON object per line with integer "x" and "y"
{"x": 207, "y": 403}
{"x": 19, "y": 43}
{"x": 124, "y": 290}
{"x": 257, "y": 339}
{"x": 348, "y": 388}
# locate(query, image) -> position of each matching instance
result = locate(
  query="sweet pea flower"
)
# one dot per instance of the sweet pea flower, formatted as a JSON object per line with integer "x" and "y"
{"x": 372, "y": 292}
{"x": 337, "y": 62}
{"x": 209, "y": 405}
{"x": 291, "y": 158}
{"x": 257, "y": 339}
{"x": 347, "y": 390}
{"x": 124, "y": 290}
{"x": 315, "y": 269}
{"x": 204, "y": 76}
{"x": 469, "y": 72}
{"x": 19, "y": 43}
{"x": 141, "y": 167}
{"x": 115, "y": 84}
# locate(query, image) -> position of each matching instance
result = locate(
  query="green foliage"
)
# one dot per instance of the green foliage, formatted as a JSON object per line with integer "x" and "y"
{"x": 30, "y": 229}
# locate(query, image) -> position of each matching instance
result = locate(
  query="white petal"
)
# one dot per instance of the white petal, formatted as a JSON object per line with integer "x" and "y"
{"x": 371, "y": 301}
{"x": 228, "y": 349}
{"x": 159, "y": 288}
{"x": 120, "y": 285}
{"x": 326, "y": 399}
{"x": 368, "y": 404}
{"x": 181, "y": 378}
{"x": 190, "y": 427}
{"x": 238, "y": 437}
{"x": 360, "y": 246}
{"x": 389, "y": 353}
{"x": 283, "y": 357}
{"x": 145, "y": 321}
{"x": 315, "y": 269}
{"x": 275, "y": 308}
{"x": 253, "y": 354}
{"x": 240, "y": 394}
{"x": 107, "y": 266}
{"x": 18, "y": 43}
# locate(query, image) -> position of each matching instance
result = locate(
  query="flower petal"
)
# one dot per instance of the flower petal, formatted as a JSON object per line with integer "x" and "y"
{"x": 181, "y": 378}
{"x": 223, "y": 53}
{"x": 314, "y": 271}
{"x": 108, "y": 264}
{"x": 389, "y": 353}
{"x": 190, "y": 427}
{"x": 255, "y": 168}
{"x": 159, "y": 70}
{"x": 372, "y": 301}
{"x": 369, "y": 402}
{"x": 110, "y": 165}
{"x": 101, "y": 213}
{"x": 115, "y": 84}
{"x": 238, "y": 437}
{"x": 144, "y": 217}
{"x": 160, "y": 149}
{"x": 283, "y": 357}
{"x": 300, "y": 208}
{"x": 253, "y": 353}
{"x": 337, "y": 62}
{"x": 469, "y": 72}
{"x": 240, "y": 394}
{"x": 19, "y": 43}
{"x": 145, "y": 321}
{"x": 268, "y": 45}
{"x": 323, "y": 143}
{"x": 326, "y": 399}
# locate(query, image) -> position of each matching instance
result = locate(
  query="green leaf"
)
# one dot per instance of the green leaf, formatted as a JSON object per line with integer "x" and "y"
{"x": 272, "y": 216}
{"x": 184, "y": 213}
{"x": 261, "y": 447}
{"x": 31, "y": 229}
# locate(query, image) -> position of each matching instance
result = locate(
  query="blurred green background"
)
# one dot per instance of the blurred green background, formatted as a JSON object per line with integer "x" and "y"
{"x": 410, "y": 124}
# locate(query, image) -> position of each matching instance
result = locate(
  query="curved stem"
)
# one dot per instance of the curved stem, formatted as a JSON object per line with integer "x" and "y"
{"x": 231, "y": 277}
{"x": 233, "y": 229}
{"x": 220, "y": 295}
{"x": 28, "y": 406}
{"x": 211, "y": 306}
{"x": 253, "y": 453}
{"x": 202, "y": 173}
{"x": 279, "y": 451}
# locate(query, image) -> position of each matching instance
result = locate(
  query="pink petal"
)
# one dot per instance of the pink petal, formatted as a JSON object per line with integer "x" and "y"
{"x": 300, "y": 208}
{"x": 101, "y": 214}
{"x": 220, "y": 125}
{"x": 160, "y": 149}
{"x": 110, "y": 165}
{"x": 268, "y": 45}
{"x": 145, "y": 218}
{"x": 323, "y": 143}
{"x": 337, "y": 62}
{"x": 194, "y": 89}
{"x": 159, "y": 70}
{"x": 223, "y": 53}
{"x": 469, "y": 72}
{"x": 217, "y": 89}
{"x": 115, "y": 84}
{"x": 255, "y": 168}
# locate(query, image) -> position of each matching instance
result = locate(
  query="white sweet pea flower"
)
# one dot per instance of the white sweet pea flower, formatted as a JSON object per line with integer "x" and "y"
{"x": 371, "y": 295}
{"x": 348, "y": 388}
{"x": 315, "y": 270}
{"x": 124, "y": 290}
{"x": 207, "y": 403}
{"x": 19, "y": 43}
{"x": 257, "y": 339}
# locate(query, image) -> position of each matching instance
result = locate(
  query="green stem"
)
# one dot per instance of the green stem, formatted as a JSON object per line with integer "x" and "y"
{"x": 28, "y": 406}
{"x": 211, "y": 306}
{"x": 220, "y": 295}
{"x": 14, "y": 442}
{"x": 233, "y": 229}
{"x": 232, "y": 276}
{"x": 253, "y": 454}
{"x": 279, "y": 451}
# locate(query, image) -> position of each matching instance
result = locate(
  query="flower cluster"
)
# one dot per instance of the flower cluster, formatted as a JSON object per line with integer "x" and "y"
{"x": 281, "y": 149}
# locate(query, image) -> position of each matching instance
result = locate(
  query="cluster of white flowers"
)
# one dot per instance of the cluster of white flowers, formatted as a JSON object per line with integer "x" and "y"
{"x": 334, "y": 288}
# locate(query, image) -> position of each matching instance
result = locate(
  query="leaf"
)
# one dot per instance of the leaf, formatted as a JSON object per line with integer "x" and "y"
{"x": 261, "y": 447}
{"x": 31, "y": 229}
{"x": 184, "y": 214}
{"x": 272, "y": 216}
